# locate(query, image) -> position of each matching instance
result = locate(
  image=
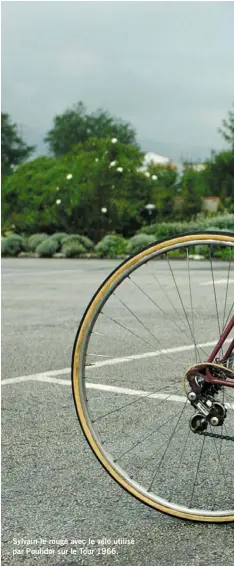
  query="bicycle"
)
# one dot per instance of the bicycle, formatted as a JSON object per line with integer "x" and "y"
{"x": 158, "y": 407}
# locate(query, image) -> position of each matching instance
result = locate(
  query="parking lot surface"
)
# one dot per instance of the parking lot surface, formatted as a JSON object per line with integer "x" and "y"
{"x": 53, "y": 488}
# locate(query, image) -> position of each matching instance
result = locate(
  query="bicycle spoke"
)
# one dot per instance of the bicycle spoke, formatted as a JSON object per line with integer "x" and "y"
{"x": 168, "y": 298}
{"x": 229, "y": 314}
{"x": 165, "y": 451}
{"x": 160, "y": 309}
{"x": 128, "y": 329}
{"x": 146, "y": 328}
{"x": 221, "y": 465}
{"x": 155, "y": 454}
{"x": 182, "y": 304}
{"x": 180, "y": 461}
{"x": 197, "y": 470}
{"x": 197, "y": 355}
{"x": 145, "y": 438}
{"x": 215, "y": 296}
{"x": 138, "y": 400}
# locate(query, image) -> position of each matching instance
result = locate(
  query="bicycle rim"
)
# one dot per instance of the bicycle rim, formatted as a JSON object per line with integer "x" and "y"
{"x": 146, "y": 324}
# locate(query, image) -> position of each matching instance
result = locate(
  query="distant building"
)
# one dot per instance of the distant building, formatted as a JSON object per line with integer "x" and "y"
{"x": 198, "y": 167}
{"x": 156, "y": 159}
{"x": 151, "y": 158}
{"x": 194, "y": 166}
{"x": 209, "y": 203}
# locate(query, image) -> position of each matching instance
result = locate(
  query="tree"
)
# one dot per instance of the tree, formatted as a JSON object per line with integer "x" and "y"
{"x": 192, "y": 202}
{"x": 40, "y": 197}
{"x": 219, "y": 175}
{"x": 29, "y": 196}
{"x": 109, "y": 178}
{"x": 76, "y": 126}
{"x": 14, "y": 149}
{"x": 227, "y": 131}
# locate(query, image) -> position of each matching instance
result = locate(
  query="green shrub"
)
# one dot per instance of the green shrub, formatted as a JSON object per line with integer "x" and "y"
{"x": 12, "y": 245}
{"x": 205, "y": 251}
{"x": 169, "y": 229}
{"x": 111, "y": 246}
{"x": 208, "y": 252}
{"x": 59, "y": 236}
{"x": 35, "y": 240}
{"x": 179, "y": 253}
{"x": 139, "y": 242}
{"x": 86, "y": 242}
{"x": 225, "y": 253}
{"x": 73, "y": 249}
{"x": 47, "y": 248}
{"x": 6, "y": 233}
{"x": 218, "y": 222}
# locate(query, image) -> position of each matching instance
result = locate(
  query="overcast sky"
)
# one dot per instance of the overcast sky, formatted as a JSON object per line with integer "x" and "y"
{"x": 167, "y": 67}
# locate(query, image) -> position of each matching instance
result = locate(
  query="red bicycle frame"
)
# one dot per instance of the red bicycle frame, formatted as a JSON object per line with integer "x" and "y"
{"x": 209, "y": 378}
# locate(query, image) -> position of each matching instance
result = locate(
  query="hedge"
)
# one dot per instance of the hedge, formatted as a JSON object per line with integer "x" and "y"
{"x": 73, "y": 249}
{"x": 169, "y": 229}
{"x": 83, "y": 240}
{"x": 114, "y": 245}
{"x": 47, "y": 248}
{"x": 35, "y": 240}
{"x": 138, "y": 242}
{"x": 13, "y": 245}
{"x": 111, "y": 246}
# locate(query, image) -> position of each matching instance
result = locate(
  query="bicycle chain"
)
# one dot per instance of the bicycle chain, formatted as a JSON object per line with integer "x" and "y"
{"x": 216, "y": 435}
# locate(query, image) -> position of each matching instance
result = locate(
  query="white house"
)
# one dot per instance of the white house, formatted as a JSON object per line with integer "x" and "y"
{"x": 155, "y": 159}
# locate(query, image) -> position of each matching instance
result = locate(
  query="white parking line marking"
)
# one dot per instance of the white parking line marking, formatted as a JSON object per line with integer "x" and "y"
{"x": 120, "y": 390}
{"x": 52, "y": 271}
{"x": 218, "y": 282}
{"x": 35, "y": 376}
{"x": 114, "y": 361}
{"x": 135, "y": 392}
{"x": 48, "y": 374}
{"x": 141, "y": 393}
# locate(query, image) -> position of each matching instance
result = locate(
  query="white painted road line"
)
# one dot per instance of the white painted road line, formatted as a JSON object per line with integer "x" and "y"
{"x": 48, "y": 374}
{"x": 45, "y": 272}
{"x": 126, "y": 359}
{"x": 218, "y": 282}
{"x": 135, "y": 392}
{"x": 141, "y": 393}
{"x": 36, "y": 376}
{"x": 118, "y": 390}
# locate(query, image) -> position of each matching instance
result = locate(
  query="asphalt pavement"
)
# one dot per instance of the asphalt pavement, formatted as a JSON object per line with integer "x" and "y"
{"x": 59, "y": 505}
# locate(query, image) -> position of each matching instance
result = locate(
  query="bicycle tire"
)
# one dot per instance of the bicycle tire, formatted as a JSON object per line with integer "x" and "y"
{"x": 88, "y": 320}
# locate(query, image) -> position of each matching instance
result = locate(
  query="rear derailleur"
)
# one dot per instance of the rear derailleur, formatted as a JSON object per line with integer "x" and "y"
{"x": 201, "y": 397}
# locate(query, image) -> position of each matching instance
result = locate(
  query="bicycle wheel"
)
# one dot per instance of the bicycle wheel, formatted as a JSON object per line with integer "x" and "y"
{"x": 158, "y": 314}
